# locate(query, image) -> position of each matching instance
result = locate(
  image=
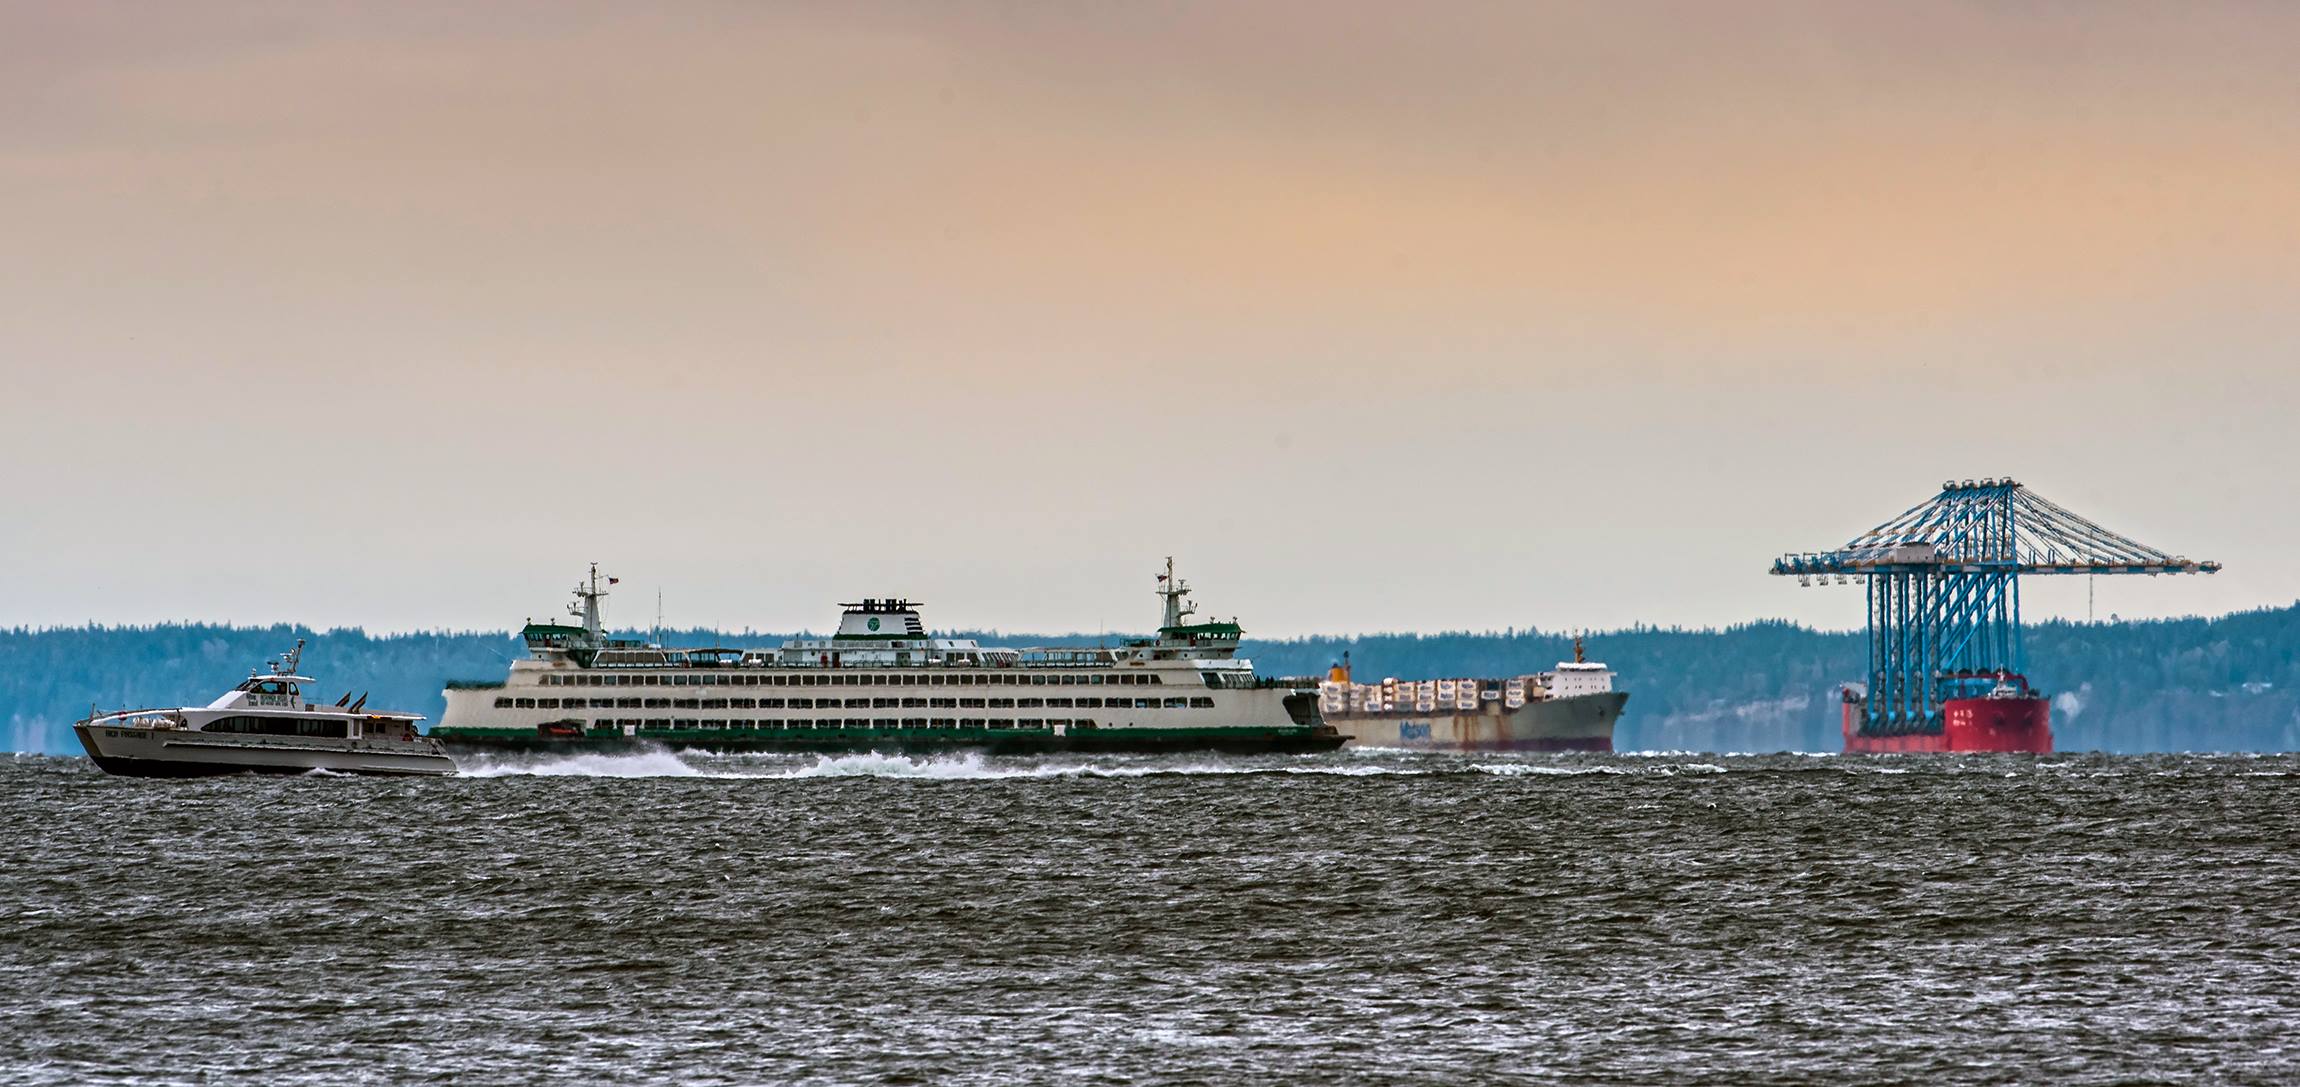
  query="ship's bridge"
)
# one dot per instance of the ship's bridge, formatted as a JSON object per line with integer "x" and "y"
{"x": 264, "y": 690}
{"x": 880, "y": 620}
{"x": 275, "y": 684}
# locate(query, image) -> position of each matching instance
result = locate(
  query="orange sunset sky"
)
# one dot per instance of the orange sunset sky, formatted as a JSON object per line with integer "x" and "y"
{"x": 1378, "y": 316}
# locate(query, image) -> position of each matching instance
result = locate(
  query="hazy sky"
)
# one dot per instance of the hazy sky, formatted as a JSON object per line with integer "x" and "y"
{"x": 1379, "y": 316}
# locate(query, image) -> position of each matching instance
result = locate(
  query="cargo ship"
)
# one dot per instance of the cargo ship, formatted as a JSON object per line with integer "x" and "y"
{"x": 1573, "y": 708}
{"x": 881, "y": 682}
{"x": 1995, "y": 711}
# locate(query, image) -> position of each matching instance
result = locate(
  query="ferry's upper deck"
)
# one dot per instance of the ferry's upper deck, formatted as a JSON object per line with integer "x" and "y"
{"x": 888, "y": 632}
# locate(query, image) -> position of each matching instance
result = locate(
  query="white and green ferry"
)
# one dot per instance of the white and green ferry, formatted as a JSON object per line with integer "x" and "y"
{"x": 884, "y": 683}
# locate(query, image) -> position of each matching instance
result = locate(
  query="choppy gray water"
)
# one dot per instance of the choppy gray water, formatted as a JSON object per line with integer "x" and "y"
{"x": 1361, "y": 917}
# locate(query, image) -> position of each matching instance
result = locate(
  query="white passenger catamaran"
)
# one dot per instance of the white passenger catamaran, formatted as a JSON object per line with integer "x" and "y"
{"x": 262, "y": 726}
{"x": 884, "y": 683}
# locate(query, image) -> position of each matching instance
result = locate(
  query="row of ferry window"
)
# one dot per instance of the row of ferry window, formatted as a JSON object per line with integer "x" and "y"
{"x": 1177, "y": 703}
{"x": 847, "y": 722}
{"x": 852, "y": 679}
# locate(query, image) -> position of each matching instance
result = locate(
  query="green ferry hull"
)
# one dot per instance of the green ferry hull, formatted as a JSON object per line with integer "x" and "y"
{"x": 1129, "y": 741}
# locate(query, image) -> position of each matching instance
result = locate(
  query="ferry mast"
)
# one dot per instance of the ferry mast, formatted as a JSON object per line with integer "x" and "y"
{"x": 1172, "y": 589}
{"x": 586, "y": 606}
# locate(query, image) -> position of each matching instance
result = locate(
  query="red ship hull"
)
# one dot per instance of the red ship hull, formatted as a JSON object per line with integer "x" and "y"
{"x": 2022, "y": 725}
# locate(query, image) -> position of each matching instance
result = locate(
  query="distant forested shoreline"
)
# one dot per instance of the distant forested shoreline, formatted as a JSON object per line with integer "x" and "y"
{"x": 2229, "y": 683}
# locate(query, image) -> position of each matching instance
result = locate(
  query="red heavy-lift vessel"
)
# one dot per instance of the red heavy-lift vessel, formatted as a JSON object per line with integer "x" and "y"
{"x": 1943, "y": 586}
{"x": 2010, "y": 717}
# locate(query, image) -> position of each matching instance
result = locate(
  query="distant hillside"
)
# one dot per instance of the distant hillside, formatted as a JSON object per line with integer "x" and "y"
{"x": 2225, "y": 684}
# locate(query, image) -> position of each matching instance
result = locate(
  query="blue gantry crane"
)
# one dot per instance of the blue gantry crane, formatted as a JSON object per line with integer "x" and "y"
{"x": 1944, "y": 591}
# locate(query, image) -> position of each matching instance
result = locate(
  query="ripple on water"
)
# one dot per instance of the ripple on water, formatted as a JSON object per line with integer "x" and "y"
{"x": 659, "y": 917}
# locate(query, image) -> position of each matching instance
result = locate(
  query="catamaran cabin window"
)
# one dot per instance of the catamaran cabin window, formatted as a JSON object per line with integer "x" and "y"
{"x": 277, "y": 726}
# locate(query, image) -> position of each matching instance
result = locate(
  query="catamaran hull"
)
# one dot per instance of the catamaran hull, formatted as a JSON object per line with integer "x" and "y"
{"x": 175, "y": 753}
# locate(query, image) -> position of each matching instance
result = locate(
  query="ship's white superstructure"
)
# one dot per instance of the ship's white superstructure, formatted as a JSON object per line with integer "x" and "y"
{"x": 882, "y": 680}
{"x": 263, "y": 725}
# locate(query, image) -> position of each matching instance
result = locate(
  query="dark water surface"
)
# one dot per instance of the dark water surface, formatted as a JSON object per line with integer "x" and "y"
{"x": 1366, "y": 917}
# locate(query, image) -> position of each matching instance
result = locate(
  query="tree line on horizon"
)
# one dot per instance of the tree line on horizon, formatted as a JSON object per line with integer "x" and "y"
{"x": 2229, "y": 683}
